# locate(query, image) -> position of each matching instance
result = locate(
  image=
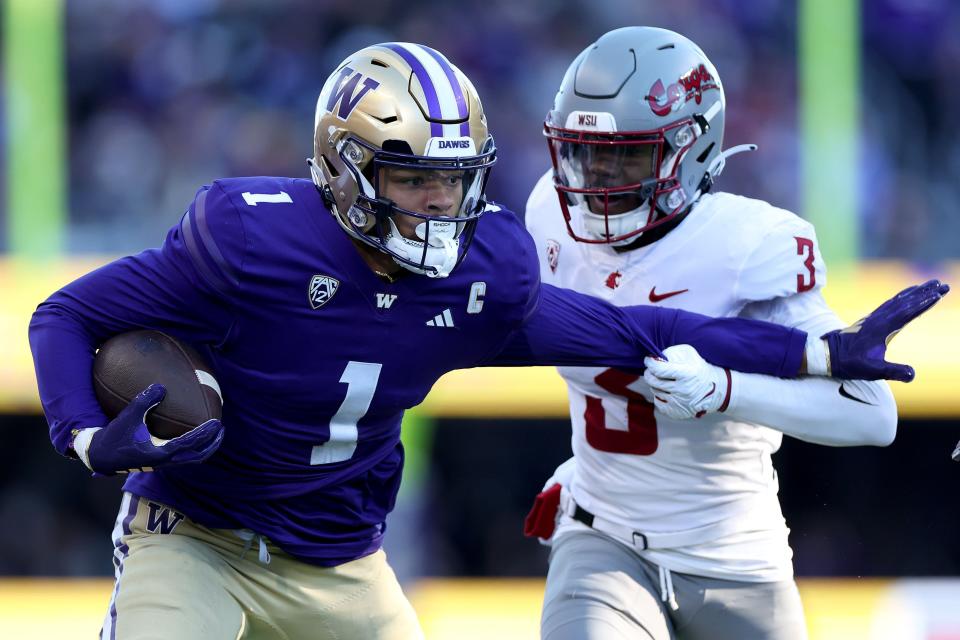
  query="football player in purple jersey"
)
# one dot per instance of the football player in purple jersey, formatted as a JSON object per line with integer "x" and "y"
{"x": 326, "y": 308}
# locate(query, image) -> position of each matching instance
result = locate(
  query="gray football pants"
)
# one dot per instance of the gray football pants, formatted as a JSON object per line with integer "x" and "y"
{"x": 597, "y": 588}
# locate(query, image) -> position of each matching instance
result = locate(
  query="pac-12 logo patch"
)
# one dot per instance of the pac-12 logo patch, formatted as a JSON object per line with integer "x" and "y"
{"x": 322, "y": 288}
{"x": 553, "y": 255}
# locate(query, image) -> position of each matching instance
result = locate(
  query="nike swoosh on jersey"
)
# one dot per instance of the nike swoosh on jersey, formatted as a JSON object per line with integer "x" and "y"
{"x": 847, "y": 394}
{"x": 657, "y": 297}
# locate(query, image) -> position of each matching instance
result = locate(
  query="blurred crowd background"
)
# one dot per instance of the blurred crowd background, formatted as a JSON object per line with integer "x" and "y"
{"x": 166, "y": 95}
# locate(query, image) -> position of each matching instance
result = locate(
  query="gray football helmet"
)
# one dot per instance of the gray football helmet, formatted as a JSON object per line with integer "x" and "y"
{"x": 635, "y": 133}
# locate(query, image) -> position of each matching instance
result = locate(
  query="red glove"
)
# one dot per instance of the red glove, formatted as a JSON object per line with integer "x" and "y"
{"x": 542, "y": 519}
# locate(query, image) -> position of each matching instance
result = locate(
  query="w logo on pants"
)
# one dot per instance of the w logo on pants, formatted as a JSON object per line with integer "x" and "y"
{"x": 162, "y": 519}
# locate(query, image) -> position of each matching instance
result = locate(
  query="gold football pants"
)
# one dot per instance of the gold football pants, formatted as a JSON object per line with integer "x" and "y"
{"x": 178, "y": 580}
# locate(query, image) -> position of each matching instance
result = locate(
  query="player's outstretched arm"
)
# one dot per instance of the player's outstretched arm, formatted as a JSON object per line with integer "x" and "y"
{"x": 567, "y": 328}
{"x": 124, "y": 444}
{"x": 814, "y": 409}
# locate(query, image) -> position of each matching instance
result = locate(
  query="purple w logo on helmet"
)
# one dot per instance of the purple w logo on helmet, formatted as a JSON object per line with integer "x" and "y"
{"x": 345, "y": 92}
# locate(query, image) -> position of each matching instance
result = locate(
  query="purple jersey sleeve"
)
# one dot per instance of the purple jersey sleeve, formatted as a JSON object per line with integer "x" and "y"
{"x": 183, "y": 287}
{"x": 567, "y": 328}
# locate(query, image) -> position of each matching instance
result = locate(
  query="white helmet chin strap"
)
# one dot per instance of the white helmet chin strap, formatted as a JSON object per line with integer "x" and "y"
{"x": 599, "y": 226}
{"x": 718, "y": 163}
{"x": 442, "y": 250}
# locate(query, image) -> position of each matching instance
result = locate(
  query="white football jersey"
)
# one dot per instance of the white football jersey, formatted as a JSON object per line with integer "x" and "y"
{"x": 731, "y": 256}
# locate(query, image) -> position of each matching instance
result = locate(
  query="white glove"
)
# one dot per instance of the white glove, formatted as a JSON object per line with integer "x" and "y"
{"x": 685, "y": 385}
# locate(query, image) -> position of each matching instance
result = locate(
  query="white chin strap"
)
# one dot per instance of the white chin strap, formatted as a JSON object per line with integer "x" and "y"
{"x": 442, "y": 250}
{"x": 600, "y": 227}
{"x": 716, "y": 167}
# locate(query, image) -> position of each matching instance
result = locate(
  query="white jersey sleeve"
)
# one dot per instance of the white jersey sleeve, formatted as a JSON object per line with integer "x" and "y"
{"x": 784, "y": 276}
{"x": 544, "y": 221}
{"x": 541, "y": 199}
{"x": 817, "y": 410}
{"x": 814, "y": 409}
{"x": 784, "y": 260}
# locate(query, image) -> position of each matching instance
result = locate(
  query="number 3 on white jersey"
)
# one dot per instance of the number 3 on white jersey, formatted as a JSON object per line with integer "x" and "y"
{"x": 361, "y": 379}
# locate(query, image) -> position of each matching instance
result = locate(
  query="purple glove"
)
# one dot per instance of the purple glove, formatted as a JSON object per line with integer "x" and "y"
{"x": 857, "y": 352}
{"x": 125, "y": 444}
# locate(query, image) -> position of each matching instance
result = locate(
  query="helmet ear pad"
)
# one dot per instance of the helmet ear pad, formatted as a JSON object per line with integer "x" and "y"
{"x": 343, "y": 183}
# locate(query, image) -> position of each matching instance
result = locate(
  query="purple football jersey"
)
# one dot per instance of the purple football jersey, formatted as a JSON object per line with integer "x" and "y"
{"x": 318, "y": 357}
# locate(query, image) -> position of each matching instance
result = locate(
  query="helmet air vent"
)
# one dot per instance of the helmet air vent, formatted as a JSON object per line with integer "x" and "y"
{"x": 666, "y": 46}
{"x": 604, "y": 72}
{"x": 706, "y": 152}
{"x": 380, "y": 63}
{"x": 330, "y": 167}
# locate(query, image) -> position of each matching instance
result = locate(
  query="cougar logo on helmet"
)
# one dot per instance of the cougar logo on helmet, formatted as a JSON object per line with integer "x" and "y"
{"x": 690, "y": 85}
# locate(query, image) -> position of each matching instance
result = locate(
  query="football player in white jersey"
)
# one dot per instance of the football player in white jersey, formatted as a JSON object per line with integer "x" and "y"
{"x": 670, "y": 527}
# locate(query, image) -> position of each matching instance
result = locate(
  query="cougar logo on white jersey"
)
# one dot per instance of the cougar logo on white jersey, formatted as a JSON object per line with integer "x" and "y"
{"x": 613, "y": 280}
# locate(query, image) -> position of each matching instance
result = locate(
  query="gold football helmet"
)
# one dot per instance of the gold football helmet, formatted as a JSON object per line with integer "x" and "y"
{"x": 402, "y": 107}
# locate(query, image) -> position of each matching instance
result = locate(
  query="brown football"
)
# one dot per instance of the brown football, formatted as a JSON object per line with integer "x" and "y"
{"x": 128, "y": 363}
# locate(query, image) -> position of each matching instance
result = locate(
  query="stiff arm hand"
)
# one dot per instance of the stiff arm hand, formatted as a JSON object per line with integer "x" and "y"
{"x": 125, "y": 444}
{"x": 857, "y": 352}
{"x": 684, "y": 385}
